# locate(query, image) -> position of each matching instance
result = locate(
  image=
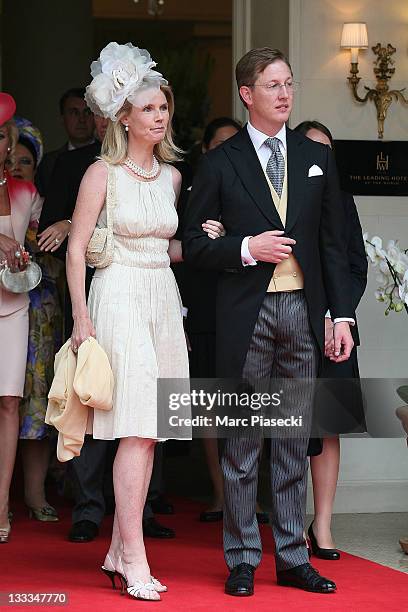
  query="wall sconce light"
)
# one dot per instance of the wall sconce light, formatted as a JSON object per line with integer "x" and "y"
{"x": 354, "y": 37}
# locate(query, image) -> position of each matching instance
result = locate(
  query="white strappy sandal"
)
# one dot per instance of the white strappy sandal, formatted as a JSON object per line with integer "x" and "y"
{"x": 160, "y": 588}
{"x": 147, "y": 591}
{"x": 139, "y": 590}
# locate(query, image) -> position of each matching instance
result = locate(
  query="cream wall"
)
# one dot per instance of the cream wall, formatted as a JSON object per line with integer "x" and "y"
{"x": 270, "y": 24}
{"x": 373, "y": 472}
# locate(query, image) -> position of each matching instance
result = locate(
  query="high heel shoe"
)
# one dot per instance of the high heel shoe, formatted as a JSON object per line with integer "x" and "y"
{"x": 111, "y": 575}
{"x": 160, "y": 588}
{"x": 5, "y": 534}
{"x": 46, "y": 514}
{"x": 329, "y": 554}
{"x": 140, "y": 590}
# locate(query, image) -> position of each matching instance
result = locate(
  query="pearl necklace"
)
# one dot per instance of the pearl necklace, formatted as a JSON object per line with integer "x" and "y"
{"x": 3, "y": 181}
{"x": 146, "y": 174}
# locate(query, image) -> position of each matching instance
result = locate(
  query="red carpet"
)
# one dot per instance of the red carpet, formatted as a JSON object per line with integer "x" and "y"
{"x": 40, "y": 559}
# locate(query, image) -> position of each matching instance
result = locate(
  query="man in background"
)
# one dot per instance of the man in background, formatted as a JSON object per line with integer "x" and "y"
{"x": 78, "y": 121}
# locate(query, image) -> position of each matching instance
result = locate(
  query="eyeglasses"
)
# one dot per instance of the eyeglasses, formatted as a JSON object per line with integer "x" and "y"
{"x": 275, "y": 88}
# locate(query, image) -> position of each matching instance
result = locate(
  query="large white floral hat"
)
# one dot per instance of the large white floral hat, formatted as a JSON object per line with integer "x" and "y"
{"x": 120, "y": 72}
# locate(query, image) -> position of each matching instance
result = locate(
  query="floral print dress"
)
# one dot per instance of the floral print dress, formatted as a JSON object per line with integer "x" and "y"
{"x": 45, "y": 339}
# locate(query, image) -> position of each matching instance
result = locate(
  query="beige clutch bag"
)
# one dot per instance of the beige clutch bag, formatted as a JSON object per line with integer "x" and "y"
{"x": 100, "y": 249}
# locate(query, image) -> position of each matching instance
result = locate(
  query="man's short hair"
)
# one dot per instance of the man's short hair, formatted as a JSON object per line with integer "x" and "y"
{"x": 75, "y": 92}
{"x": 254, "y": 62}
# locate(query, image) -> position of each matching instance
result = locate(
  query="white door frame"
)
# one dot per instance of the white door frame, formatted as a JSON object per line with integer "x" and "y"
{"x": 241, "y": 43}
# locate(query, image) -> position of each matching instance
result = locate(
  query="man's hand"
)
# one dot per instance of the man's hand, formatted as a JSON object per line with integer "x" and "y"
{"x": 328, "y": 337}
{"x": 272, "y": 246}
{"x": 343, "y": 342}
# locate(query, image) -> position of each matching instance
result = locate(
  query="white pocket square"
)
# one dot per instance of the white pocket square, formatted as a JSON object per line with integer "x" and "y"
{"x": 315, "y": 171}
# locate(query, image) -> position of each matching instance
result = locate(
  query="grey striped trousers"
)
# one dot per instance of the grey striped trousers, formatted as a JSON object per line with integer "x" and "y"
{"x": 282, "y": 346}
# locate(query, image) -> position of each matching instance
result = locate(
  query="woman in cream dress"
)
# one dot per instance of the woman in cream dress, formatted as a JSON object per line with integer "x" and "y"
{"x": 134, "y": 303}
{"x": 134, "y": 309}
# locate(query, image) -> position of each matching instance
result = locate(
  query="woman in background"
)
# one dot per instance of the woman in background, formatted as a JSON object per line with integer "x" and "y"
{"x": 19, "y": 203}
{"x": 325, "y": 454}
{"x": 45, "y": 338}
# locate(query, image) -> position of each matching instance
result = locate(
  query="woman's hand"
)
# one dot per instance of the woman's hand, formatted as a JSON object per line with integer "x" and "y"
{"x": 214, "y": 229}
{"x": 13, "y": 252}
{"x": 52, "y": 237}
{"x": 83, "y": 328}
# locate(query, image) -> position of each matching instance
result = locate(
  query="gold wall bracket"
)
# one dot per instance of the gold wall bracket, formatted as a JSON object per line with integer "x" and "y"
{"x": 382, "y": 96}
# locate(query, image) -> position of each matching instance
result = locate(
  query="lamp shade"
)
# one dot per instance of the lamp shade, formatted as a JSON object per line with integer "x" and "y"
{"x": 354, "y": 36}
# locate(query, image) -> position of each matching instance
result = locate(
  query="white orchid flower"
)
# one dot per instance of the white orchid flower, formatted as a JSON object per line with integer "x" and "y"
{"x": 380, "y": 294}
{"x": 392, "y": 272}
{"x": 383, "y": 279}
{"x": 374, "y": 249}
{"x": 403, "y": 289}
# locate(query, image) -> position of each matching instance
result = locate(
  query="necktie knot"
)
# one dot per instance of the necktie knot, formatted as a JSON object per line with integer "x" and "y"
{"x": 272, "y": 144}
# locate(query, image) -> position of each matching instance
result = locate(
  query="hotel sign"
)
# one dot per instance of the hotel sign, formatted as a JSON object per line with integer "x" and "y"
{"x": 372, "y": 167}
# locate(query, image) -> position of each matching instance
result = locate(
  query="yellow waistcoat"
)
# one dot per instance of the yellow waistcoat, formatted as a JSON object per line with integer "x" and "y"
{"x": 287, "y": 275}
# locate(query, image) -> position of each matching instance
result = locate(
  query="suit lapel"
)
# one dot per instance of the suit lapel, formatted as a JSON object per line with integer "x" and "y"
{"x": 241, "y": 152}
{"x": 297, "y": 173}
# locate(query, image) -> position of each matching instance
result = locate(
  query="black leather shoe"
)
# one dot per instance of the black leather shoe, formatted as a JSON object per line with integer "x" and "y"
{"x": 307, "y": 578}
{"x": 211, "y": 516}
{"x": 161, "y": 506}
{"x": 153, "y": 529}
{"x": 330, "y": 554}
{"x": 83, "y": 531}
{"x": 240, "y": 582}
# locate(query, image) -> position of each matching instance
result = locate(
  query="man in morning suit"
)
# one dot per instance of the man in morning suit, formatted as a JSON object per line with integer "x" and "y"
{"x": 282, "y": 264}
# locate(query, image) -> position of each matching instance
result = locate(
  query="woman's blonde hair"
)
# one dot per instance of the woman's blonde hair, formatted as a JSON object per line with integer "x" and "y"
{"x": 114, "y": 146}
{"x": 12, "y": 133}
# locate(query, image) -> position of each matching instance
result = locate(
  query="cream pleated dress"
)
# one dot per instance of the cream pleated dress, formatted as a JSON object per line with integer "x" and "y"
{"x": 135, "y": 306}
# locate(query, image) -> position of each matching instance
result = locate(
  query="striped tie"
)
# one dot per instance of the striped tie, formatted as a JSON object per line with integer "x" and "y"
{"x": 275, "y": 168}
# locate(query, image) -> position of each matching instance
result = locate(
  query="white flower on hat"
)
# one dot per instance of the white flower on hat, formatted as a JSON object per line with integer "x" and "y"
{"x": 120, "y": 71}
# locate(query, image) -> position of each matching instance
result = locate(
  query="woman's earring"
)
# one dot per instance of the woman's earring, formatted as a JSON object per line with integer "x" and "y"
{"x": 8, "y": 149}
{"x": 126, "y": 128}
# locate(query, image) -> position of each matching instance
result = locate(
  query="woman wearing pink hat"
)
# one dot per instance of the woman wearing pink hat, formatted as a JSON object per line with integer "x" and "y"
{"x": 19, "y": 203}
